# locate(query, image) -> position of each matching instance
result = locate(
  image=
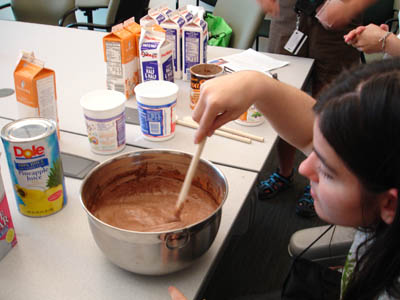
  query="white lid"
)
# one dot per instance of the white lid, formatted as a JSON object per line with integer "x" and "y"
{"x": 156, "y": 89}
{"x": 102, "y": 100}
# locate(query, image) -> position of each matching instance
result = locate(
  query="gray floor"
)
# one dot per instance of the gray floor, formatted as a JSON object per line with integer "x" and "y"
{"x": 256, "y": 262}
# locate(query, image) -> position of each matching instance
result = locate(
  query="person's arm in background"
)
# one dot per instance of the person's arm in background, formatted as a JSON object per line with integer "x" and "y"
{"x": 369, "y": 39}
{"x": 338, "y": 13}
{"x": 225, "y": 98}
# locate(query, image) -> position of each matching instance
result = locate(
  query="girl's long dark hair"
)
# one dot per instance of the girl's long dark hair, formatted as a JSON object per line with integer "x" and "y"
{"x": 359, "y": 115}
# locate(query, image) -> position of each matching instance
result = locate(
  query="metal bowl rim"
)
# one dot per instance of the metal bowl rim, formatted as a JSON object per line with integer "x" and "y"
{"x": 137, "y": 152}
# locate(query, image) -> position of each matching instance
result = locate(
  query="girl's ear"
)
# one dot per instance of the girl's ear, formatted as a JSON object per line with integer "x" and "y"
{"x": 388, "y": 205}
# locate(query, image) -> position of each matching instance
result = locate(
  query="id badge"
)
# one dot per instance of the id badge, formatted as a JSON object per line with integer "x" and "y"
{"x": 295, "y": 42}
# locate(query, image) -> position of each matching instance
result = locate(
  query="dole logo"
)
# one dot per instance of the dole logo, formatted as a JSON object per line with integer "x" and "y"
{"x": 28, "y": 153}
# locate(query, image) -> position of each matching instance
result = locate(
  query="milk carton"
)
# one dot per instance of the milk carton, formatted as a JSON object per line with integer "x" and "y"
{"x": 8, "y": 238}
{"x": 173, "y": 28}
{"x": 119, "y": 55}
{"x": 35, "y": 89}
{"x": 135, "y": 29}
{"x": 155, "y": 55}
{"x": 194, "y": 38}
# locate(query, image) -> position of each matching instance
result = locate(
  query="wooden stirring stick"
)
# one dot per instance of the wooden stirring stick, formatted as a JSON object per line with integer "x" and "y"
{"x": 189, "y": 177}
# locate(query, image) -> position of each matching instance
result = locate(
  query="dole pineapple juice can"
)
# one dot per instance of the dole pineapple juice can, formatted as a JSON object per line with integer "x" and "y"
{"x": 34, "y": 160}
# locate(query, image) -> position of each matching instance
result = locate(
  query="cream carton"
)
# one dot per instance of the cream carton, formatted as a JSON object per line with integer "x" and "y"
{"x": 119, "y": 55}
{"x": 163, "y": 8}
{"x": 185, "y": 13}
{"x": 35, "y": 89}
{"x": 155, "y": 55}
{"x": 157, "y": 15}
{"x": 135, "y": 29}
{"x": 173, "y": 28}
{"x": 194, "y": 49}
{"x": 147, "y": 21}
{"x": 8, "y": 238}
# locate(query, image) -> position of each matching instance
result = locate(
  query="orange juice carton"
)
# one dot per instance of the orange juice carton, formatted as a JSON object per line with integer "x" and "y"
{"x": 185, "y": 13}
{"x": 35, "y": 89}
{"x": 194, "y": 45}
{"x": 173, "y": 28}
{"x": 8, "y": 238}
{"x": 155, "y": 55}
{"x": 135, "y": 28}
{"x": 119, "y": 55}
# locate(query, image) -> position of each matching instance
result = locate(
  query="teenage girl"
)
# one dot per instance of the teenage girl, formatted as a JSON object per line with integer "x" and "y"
{"x": 351, "y": 137}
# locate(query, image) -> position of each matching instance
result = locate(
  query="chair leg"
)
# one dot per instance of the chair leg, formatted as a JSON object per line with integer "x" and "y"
{"x": 257, "y": 38}
{"x": 362, "y": 56}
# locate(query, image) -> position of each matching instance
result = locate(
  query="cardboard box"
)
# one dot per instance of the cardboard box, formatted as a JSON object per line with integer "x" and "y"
{"x": 35, "y": 89}
{"x": 119, "y": 54}
{"x": 194, "y": 39}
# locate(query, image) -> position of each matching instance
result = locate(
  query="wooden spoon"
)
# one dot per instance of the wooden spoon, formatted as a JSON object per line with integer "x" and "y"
{"x": 189, "y": 177}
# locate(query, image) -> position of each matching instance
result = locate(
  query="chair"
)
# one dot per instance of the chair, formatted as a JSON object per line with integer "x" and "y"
{"x": 40, "y": 11}
{"x": 117, "y": 12}
{"x": 330, "y": 250}
{"x": 244, "y": 17}
{"x": 263, "y": 31}
{"x": 88, "y": 7}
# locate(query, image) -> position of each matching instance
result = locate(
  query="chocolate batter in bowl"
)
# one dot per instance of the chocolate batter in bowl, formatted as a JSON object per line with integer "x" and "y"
{"x": 130, "y": 202}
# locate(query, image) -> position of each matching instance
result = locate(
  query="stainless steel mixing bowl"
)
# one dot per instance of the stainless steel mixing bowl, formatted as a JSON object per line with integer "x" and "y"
{"x": 153, "y": 253}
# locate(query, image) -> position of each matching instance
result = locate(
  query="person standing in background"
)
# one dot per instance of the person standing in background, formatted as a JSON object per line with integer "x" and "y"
{"x": 325, "y": 44}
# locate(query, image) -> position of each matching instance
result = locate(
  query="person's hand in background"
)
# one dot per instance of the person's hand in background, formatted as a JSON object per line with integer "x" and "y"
{"x": 367, "y": 38}
{"x": 270, "y": 7}
{"x": 175, "y": 294}
{"x": 335, "y": 14}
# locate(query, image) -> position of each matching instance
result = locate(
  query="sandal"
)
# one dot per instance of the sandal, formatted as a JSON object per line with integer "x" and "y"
{"x": 305, "y": 205}
{"x": 275, "y": 184}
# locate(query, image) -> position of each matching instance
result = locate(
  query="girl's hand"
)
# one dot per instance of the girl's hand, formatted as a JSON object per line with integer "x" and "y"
{"x": 175, "y": 294}
{"x": 224, "y": 99}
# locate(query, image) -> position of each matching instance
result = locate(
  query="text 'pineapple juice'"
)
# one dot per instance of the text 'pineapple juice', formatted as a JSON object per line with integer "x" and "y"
{"x": 34, "y": 160}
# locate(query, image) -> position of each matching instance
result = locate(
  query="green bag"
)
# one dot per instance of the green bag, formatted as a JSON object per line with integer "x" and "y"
{"x": 219, "y": 31}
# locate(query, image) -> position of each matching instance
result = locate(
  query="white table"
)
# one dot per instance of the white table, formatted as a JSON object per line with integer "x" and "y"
{"x": 77, "y": 58}
{"x": 57, "y": 258}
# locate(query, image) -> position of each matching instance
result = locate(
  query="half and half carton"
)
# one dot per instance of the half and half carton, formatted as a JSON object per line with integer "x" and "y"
{"x": 156, "y": 55}
{"x": 194, "y": 38}
{"x": 173, "y": 28}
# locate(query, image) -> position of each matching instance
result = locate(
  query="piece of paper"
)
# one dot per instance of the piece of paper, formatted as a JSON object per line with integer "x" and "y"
{"x": 249, "y": 60}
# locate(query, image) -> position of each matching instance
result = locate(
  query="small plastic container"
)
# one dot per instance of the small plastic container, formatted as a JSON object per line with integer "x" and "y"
{"x": 156, "y": 102}
{"x": 252, "y": 117}
{"x": 104, "y": 112}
